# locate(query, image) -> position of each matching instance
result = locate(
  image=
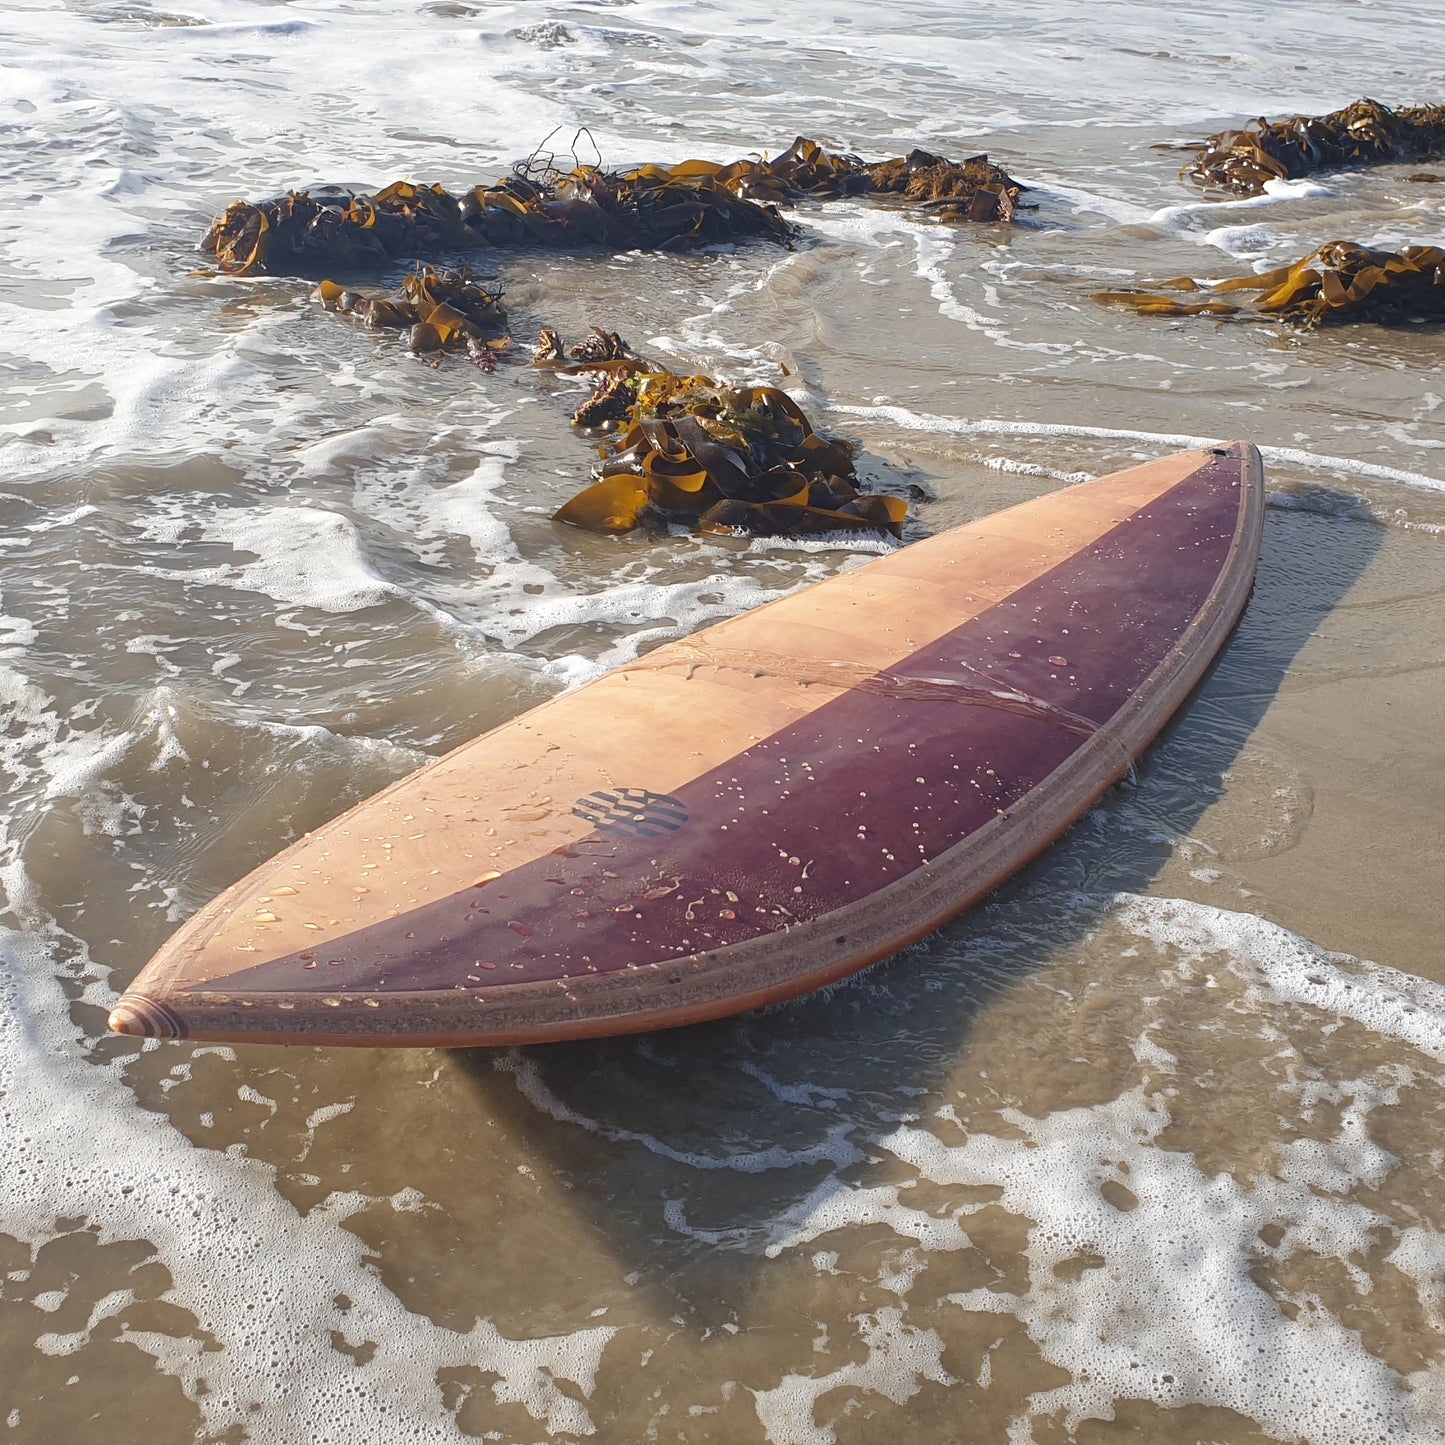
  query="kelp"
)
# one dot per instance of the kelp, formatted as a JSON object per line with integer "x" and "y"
{"x": 724, "y": 459}
{"x": 1363, "y": 134}
{"x": 441, "y": 308}
{"x": 300, "y": 232}
{"x": 599, "y": 350}
{"x": 974, "y": 189}
{"x": 649, "y": 208}
{"x": 971, "y": 190}
{"x": 1340, "y": 282}
{"x": 611, "y": 363}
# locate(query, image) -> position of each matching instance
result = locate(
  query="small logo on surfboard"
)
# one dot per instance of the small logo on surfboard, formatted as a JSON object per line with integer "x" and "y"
{"x": 631, "y": 812}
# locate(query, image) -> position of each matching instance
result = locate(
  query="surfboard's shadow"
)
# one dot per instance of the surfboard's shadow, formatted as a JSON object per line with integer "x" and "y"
{"x": 719, "y": 1135}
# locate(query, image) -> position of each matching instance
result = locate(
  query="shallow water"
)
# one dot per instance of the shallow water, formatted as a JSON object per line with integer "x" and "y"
{"x": 1145, "y": 1148}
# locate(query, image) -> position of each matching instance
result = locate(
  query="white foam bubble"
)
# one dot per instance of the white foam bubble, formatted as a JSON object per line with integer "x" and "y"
{"x": 1297, "y": 188}
{"x": 268, "y": 1283}
{"x": 1196, "y": 219}
{"x": 67, "y": 518}
{"x": 1248, "y": 242}
{"x": 16, "y": 635}
{"x": 899, "y": 1356}
{"x": 834, "y": 1205}
{"x": 305, "y": 557}
{"x": 1167, "y": 1310}
{"x": 647, "y": 611}
{"x": 1285, "y": 967}
{"x": 1167, "y": 1307}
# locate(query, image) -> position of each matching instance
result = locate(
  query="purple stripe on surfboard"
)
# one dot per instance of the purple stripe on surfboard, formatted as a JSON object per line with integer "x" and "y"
{"x": 852, "y": 797}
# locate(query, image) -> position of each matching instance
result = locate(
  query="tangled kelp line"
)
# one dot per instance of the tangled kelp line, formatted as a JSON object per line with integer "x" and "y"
{"x": 1340, "y": 281}
{"x": 1361, "y": 134}
{"x": 649, "y": 208}
{"x": 722, "y": 459}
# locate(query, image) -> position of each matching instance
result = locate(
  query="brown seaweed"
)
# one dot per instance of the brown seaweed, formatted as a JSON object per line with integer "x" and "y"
{"x": 1362, "y": 134}
{"x": 725, "y": 459}
{"x": 599, "y": 349}
{"x": 441, "y": 308}
{"x": 974, "y": 189}
{"x": 971, "y": 190}
{"x": 1340, "y": 282}
{"x": 651, "y": 208}
{"x": 607, "y": 358}
{"x": 299, "y": 232}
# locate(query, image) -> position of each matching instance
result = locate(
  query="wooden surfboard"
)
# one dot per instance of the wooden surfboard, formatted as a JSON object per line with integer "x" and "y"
{"x": 761, "y": 809}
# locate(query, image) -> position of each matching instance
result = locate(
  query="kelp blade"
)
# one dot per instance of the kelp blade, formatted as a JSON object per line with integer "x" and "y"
{"x": 1340, "y": 282}
{"x": 612, "y": 504}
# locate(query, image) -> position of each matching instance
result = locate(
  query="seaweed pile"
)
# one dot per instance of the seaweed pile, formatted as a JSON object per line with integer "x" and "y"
{"x": 650, "y": 208}
{"x": 1365, "y": 133}
{"x": 1339, "y": 282}
{"x": 441, "y": 308}
{"x": 722, "y": 458}
{"x": 969, "y": 190}
{"x": 304, "y": 232}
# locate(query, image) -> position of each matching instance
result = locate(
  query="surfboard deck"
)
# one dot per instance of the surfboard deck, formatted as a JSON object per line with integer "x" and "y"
{"x": 750, "y": 813}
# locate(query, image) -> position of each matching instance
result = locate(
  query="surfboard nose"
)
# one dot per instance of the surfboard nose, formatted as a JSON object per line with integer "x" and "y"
{"x": 145, "y": 1018}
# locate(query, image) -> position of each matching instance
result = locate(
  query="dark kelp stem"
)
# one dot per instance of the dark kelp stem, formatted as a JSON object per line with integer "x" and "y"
{"x": 1363, "y": 134}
